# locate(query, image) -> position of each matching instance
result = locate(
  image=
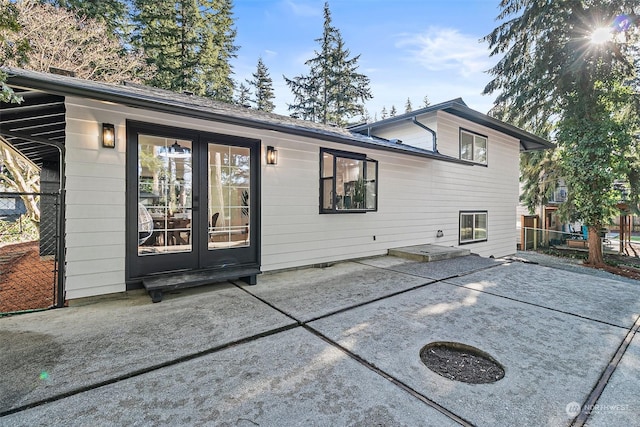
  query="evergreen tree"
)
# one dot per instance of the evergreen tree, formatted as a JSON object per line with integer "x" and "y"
{"x": 425, "y": 101}
{"x": 219, "y": 36}
{"x": 407, "y": 106}
{"x": 190, "y": 42}
{"x": 244, "y": 96}
{"x": 553, "y": 67}
{"x": 333, "y": 91}
{"x": 366, "y": 117}
{"x": 263, "y": 88}
{"x": 393, "y": 111}
{"x": 383, "y": 113}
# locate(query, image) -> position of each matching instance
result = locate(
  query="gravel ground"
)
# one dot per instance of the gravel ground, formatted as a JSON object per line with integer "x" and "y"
{"x": 568, "y": 264}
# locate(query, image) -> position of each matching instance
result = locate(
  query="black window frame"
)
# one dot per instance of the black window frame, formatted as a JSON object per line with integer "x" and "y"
{"x": 473, "y": 150}
{"x": 473, "y": 240}
{"x": 344, "y": 155}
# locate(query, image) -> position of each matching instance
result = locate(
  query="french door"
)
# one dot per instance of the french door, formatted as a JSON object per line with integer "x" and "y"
{"x": 192, "y": 200}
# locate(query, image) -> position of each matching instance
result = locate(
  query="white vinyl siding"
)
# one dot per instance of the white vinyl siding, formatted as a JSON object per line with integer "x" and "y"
{"x": 411, "y": 134}
{"x": 416, "y": 196}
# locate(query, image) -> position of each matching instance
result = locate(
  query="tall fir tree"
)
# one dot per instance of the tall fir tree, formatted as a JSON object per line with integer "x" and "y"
{"x": 218, "y": 35}
{"x": 553, "y": 67}
{"x": 191, "y": 43}
{"x": 383, "y": 113}
{"x": 263, "y": 88}
{"x": 243, "y": 98}
{"x": 425, "y": 101}
{"x": 333, "y": 92}
{"x": 366, "y": 117}
{"x": 393, "y": 112}
{"x": 407, "y": 106}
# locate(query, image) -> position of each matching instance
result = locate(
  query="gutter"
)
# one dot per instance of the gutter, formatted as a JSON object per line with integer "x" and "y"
{"x": 111, "y": 93}
{"x": 415, "y": 121}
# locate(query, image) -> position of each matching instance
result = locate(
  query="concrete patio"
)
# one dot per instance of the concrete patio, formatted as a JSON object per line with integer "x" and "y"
{"x": 338, "y": 345}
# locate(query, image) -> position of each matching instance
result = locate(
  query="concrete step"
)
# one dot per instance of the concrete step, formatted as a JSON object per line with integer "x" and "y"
{"x": 428, "y": 253}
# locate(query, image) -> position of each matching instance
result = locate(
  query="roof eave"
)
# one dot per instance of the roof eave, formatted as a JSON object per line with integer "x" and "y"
{"x": 79, "y": 88}
{"x": 528, "y": 141}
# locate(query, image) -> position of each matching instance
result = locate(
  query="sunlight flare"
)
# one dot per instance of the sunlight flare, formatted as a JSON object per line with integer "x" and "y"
{"x": 601, "y": 35}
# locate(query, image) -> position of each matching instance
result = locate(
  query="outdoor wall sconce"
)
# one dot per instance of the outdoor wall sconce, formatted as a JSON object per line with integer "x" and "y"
{"x": 272, "y": 155}
{"x": 108, "y": 135}
{"x": 439, "y": 233}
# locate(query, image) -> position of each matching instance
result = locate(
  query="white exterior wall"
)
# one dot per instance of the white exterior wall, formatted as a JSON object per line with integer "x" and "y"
{"x": 410, "y": 133}
{"x": 416, "y": 197}
{"x": 449, "y": 188}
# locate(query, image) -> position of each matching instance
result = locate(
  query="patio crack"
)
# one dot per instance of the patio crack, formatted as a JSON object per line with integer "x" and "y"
{"x": 598, "y": 389}
{"x": 387, "y": 376}
{"x": 146, "y": 370}
{"x": 360, "y": 360}
{"x": 535, "y": 305}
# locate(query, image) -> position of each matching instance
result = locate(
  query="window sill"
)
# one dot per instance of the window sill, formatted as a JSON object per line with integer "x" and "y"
{"x": 351, "y": 211}
{"x": 469, "y": 242}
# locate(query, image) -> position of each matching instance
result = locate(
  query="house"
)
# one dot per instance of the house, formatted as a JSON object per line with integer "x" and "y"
{"x": 164, "y": 186}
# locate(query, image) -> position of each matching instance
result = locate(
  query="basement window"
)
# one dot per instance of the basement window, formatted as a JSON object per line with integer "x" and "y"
{"x": 348, "y": 182}
{"x": 473, "y": 226}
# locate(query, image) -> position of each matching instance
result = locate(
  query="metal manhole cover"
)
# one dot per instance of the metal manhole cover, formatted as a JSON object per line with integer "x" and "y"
{"x": 461, "y": 362}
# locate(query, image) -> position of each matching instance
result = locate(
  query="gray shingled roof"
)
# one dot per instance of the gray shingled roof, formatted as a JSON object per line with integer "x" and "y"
{"x": 194, "y": 106}
{"x": 457, "y": 107}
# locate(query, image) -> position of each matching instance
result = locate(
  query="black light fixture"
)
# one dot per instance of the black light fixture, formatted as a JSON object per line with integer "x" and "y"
{"x": 108, "y": 135}
{"x": 177, "y": 148}
{"x": 178, "y": 151}
{"x": 272, "y": 155}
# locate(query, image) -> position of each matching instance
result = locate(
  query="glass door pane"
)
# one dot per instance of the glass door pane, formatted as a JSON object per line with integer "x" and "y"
{"x": 229, "y": 191}
{"x": 164, "y": 195}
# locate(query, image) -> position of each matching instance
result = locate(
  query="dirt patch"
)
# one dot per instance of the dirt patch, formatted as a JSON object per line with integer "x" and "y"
{"x": 620, "y": 270}
{"x": 626, "y": 266}
{"x": 27, "y": 281}
{"x": 621, "y": 265}
{"x": 461, "y": 362}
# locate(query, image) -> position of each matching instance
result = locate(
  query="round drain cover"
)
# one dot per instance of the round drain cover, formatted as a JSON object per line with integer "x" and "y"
{"x": 461, "y": 362}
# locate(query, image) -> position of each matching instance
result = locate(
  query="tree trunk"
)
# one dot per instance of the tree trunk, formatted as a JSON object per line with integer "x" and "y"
{"x": 595, "y": 247}
{"x": 22, "y": 180}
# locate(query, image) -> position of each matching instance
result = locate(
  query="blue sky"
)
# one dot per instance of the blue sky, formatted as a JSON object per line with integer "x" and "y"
{"x": 408, "y": 48}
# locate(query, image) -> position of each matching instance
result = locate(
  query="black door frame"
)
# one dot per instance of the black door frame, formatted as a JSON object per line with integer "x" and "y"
{"x": 199, "y": 259}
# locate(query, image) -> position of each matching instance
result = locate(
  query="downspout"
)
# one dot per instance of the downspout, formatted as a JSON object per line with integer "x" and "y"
{"x": 428, "y": 129}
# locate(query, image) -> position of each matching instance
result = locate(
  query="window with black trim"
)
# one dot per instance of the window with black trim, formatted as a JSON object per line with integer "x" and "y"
{"x": 473, "y": 147}
{"x": 473, "y": 226}
{"x": 348, "y": 182}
